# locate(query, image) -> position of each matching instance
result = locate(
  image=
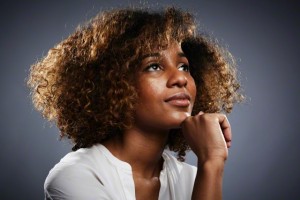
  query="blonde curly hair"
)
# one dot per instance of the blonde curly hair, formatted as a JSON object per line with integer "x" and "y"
{"x": 85, "y": 84}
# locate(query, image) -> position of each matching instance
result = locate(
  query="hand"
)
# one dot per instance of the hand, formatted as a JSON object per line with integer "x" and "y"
{"x": 209, "y": 136}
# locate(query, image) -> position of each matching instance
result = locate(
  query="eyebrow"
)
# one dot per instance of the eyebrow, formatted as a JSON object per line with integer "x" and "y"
{"x": 180, "y": 54}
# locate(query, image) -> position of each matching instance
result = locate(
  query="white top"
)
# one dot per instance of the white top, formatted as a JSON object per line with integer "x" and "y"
{"x": 94, "y": 173}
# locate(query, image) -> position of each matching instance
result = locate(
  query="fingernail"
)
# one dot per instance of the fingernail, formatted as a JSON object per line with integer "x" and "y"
{"x": 228, "y": 144}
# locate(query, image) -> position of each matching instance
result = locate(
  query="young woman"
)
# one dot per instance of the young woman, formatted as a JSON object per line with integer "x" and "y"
{"x": 126, "y": 86}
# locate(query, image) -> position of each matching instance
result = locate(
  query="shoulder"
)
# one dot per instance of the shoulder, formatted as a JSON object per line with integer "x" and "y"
{"x": 82, "y": 160}
{"x": 77, "y": 174}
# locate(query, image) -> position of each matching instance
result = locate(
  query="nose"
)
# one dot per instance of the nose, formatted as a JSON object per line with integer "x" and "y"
{"x": 176, "y": 78}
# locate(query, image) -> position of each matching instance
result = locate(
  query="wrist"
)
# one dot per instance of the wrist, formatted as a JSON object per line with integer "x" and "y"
{"x": 213, "y": 165}
{"x": 208, "y": 182}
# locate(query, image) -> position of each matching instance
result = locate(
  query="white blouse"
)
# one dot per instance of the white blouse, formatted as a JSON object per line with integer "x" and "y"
{"x": 94, "y": 173}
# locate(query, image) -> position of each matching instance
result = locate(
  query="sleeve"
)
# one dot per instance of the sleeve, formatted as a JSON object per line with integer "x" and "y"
{"x": 74, "y": 183}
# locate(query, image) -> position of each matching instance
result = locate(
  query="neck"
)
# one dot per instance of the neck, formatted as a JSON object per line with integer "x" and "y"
{"x": 141, "y": 149}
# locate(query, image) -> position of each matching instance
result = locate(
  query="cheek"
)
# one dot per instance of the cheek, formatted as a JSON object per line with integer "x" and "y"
{"x": 192, "y": 88}
{"x": 149, "y": 91}
{"x": 149, "y": 107}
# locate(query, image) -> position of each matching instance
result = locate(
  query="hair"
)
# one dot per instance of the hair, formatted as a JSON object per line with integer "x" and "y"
{"x": 85, "y": 84}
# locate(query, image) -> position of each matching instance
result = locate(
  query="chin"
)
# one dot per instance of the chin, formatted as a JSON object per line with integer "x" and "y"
{"x": 177, "y": 119}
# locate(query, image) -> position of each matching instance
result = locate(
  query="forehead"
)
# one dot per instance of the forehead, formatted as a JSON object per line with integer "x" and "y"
{"x": 173, "y": 47}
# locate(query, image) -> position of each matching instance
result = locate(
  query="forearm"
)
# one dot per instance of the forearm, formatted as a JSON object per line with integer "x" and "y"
{"x": 208, "y": 182}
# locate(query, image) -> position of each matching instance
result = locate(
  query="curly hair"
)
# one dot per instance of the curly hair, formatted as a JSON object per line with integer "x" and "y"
{"x": 85, "y": 84}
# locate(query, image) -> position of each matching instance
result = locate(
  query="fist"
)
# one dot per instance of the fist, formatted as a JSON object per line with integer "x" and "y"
{"x": 208, "y": 135}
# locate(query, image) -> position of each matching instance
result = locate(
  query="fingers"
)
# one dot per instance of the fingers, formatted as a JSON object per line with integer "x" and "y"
{"x": 226, "y": 129}
{"x": 224, "y": 125}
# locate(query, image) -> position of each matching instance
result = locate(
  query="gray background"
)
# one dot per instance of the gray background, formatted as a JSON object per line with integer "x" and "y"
{"x": 262, "y": 35}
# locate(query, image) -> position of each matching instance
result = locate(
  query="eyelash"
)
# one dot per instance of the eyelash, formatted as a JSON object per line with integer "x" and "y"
{"x": 158, "y": 67}
{"x": 151, "y": 67}
{"x": 187, "y": 68}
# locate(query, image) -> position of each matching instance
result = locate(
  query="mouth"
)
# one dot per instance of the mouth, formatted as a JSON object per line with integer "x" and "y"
{"x": 179, "y": 99}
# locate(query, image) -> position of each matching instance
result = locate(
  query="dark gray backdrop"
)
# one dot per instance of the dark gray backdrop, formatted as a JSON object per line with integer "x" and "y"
{"x": 262, "y": 35}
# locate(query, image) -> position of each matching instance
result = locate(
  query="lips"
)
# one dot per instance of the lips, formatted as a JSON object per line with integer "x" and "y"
{"x": 179, "y": 99}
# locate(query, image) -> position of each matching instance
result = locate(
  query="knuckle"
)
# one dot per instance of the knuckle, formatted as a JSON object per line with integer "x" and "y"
{"x": 204, "y": 116}
{"x": 187, "y": 121}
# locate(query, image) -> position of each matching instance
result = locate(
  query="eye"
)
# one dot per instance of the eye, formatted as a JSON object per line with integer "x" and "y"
{"x": 184, "y": 67}
{"x": 153, "y": 67}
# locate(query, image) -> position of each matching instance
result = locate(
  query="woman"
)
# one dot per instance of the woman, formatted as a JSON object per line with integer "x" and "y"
{"x": 123, "y": 88}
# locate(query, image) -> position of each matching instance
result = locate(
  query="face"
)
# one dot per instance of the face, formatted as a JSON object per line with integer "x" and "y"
{"x": 166, "y": 89}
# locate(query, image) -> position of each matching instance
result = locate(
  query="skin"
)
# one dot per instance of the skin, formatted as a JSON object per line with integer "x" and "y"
{"x": 162, "y": 75}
